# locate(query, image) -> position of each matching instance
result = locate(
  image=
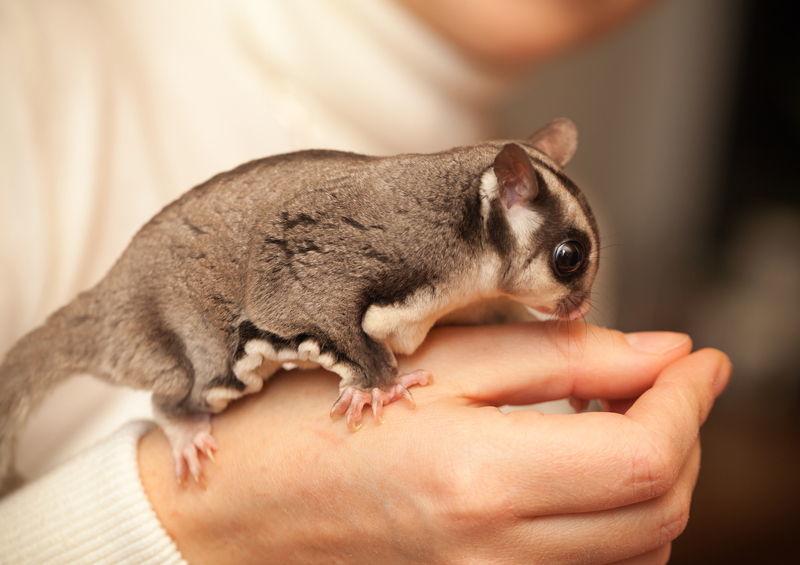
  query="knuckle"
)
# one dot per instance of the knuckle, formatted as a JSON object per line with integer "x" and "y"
{"x": 674, "y": 526}
{"x": 462, "y": 495}
{"x": 674, "y": 519}
{"x": 472, "y": 505}
{"x": 652, "y": 472}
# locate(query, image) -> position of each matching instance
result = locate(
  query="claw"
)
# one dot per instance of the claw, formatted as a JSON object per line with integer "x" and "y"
{"x": 354, "y": 420}
{"x": 405, "y": 393}
{"x": 190, "y": 456}
{"x": 377, "y": 404}
{"x": 340, "y": 406}
{"x": 352, "y": 399}
{"x": 190, "y": 438}
{"x": 206, "y": 443}
{"x": 357, "y": 399}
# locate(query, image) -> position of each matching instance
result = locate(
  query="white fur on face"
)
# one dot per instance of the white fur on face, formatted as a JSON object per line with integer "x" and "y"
{"x": 524, "y": 223}
{"x": 536, "y": 286}
{"x": 541, "y": 316}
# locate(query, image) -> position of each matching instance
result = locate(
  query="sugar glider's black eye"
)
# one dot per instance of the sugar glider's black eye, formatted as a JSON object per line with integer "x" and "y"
{"x": 568, "y": 258}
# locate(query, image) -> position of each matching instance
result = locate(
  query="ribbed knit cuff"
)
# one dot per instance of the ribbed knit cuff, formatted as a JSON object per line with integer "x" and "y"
{"x": 91, "y": 509}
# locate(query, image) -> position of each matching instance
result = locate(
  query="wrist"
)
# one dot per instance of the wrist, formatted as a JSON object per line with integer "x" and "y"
{"x": 179, "y": 508}
{"x": 254, "y": 504}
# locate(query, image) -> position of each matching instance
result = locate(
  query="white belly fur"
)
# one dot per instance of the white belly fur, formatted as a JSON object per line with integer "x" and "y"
{"x": 403, "y": 326}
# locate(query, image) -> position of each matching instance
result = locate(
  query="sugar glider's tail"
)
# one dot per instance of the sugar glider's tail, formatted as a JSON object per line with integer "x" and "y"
{"x": 40, "y": 360}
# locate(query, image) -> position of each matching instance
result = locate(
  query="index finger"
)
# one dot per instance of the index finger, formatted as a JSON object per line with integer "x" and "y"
{"x": 680, "y": 400}
{"x": 536, "y": 362}
{"x": 595, "y": 461}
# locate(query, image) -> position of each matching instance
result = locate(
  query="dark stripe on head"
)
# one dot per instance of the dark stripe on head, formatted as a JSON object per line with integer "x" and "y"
{"x": 568, "y": 184}
{"x": 469, "y": 227}
{"x": 572, "y": 188}
{"x": 544, "y": 190}
{"x": 552, "y": 212}
{"x": 497, "y": 229}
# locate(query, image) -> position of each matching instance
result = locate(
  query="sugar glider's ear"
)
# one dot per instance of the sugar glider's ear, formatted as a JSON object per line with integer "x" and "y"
{"x": 558, "y": 140}
{"x": 515, "y": 177}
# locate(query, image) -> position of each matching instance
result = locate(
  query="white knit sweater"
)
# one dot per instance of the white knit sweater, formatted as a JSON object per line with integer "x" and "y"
{"x": 109, "y": 109}
{"x": 91, "y": 509}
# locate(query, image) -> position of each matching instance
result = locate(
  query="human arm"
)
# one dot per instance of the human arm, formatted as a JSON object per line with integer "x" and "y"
{"x": 457, "y": 480}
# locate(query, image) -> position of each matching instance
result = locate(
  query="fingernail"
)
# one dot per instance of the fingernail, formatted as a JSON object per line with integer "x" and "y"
{"x": 656, "y": 342}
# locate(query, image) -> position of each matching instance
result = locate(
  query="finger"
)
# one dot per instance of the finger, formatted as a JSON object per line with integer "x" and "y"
{"x": 619, "y": 533}
{"x": 599, "y": 460}
{"x": 679, "y": 402}
{"x": 619, "y": 406}
{"x": 658, "y": 556}
{"x": 534, "y": 362}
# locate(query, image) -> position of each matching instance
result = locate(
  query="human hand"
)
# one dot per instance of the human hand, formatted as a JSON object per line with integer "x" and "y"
{"x": 457, "y": 481}
{"x": 514, "y": 32}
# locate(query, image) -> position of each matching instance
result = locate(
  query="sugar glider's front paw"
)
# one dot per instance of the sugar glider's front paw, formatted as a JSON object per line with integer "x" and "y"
{"x": 190, "y": 437}
{"x": 353, "y": 398}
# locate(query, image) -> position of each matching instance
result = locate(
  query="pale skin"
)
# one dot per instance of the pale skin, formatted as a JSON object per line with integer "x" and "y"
{"x": 516, "y": 33}
{"x": 456, "y": 480}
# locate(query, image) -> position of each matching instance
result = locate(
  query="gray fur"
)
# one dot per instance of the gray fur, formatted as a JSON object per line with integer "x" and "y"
{"x": 291, "y": 247}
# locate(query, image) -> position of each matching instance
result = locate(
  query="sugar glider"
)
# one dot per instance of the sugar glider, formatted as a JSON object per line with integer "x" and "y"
{"x": 314, "y": 257}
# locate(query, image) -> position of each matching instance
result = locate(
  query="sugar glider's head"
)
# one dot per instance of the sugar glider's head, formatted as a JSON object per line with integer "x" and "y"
{"x": 541, "y": 225}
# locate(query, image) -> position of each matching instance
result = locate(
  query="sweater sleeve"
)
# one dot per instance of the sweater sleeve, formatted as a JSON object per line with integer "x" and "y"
{"x": 91, "y": 509}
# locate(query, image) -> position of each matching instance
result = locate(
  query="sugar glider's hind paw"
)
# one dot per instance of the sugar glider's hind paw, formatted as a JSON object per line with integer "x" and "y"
{"x": 190, "y": 437}
{"x": 352, "y": 399}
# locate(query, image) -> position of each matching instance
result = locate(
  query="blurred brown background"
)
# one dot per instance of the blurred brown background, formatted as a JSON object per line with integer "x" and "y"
{"x": 690, "y": 141}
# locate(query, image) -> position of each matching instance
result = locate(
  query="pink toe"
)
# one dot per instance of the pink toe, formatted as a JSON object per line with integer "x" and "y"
{"x": 419, "y": 377}
{"x": 378, "y": 398}
{"x": 190, "y": 456}
{"x": 399, "y": 391}
{"x": 352, "y": 399}
{"x": 354, "y": 419}
{"x": 342, "y": 403}
{"x": 180, "y": 468}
